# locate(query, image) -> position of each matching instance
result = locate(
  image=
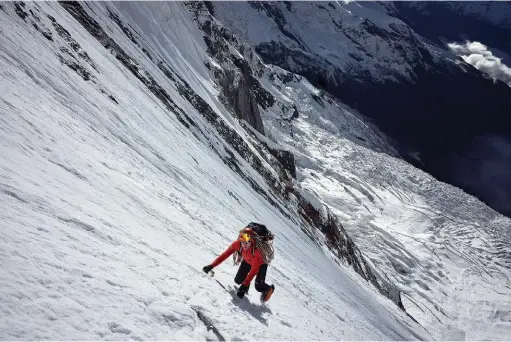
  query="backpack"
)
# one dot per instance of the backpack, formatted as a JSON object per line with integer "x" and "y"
{"x": 262, "y": 232}
{"x": 264, "y": 242}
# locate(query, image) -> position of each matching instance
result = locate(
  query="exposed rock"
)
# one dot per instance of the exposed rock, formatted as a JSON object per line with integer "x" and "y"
{"x": 240, "y": 89}
{"x": 19, "y": 9}
{"x": 123, "y": 27}
{"x": 66, "y": 36}
{"x": 237, "y": 91}
{"x": 263, "y": 97}
{"x": 81, "y": 71}
{"x": 344, "y": 248}
{"x": 127, "y": 31}
{"x": 286, "y": 159}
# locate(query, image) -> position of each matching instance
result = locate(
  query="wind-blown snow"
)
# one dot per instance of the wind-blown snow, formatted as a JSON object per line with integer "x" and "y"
{"x": 479, "y": 56}
{"x": 110, "y": 206}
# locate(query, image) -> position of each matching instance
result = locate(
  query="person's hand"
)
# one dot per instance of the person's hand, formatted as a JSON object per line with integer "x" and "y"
{"x": 207, "y": 269}
{"x": 242, "y": 290}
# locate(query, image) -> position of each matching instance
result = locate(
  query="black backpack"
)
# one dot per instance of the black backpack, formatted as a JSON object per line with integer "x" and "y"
{"x": 262, "y": 232}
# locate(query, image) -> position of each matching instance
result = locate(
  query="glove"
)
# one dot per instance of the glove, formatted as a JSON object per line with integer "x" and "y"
{"x": 207, "y": 269}
{"x": 242, "y": 290}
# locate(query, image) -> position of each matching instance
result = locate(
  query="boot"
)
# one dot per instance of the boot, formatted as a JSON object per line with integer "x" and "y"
{"x": 266, "y": 295}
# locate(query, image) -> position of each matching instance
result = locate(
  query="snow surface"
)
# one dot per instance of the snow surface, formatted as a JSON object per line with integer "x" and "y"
{"x": 109, "y": 209}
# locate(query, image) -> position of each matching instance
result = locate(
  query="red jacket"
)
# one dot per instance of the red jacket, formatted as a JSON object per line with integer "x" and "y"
{"x": 251, "y": 256}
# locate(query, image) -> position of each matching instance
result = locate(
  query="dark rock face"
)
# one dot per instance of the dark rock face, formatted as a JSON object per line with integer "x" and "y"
{"x": 19, "y": 8}
{"x": 286, "y": 159}
{"x": 316, "y": 69}
{"x": 239, "y": 95}
{"x": 70, "y": 54}
{"x": 241, "y": 90}
{"x": 345, "y": 249}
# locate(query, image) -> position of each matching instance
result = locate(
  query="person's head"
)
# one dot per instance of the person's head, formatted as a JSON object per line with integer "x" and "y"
{"x": 246, "y": 238}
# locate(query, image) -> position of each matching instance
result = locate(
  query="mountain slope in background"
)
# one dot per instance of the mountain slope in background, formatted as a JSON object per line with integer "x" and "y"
{"x": 137, "y": 137}
{"x": 386, "y": 61}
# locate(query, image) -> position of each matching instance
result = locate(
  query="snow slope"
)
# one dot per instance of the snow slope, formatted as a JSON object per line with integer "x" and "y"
{"x": 114, "y": 194}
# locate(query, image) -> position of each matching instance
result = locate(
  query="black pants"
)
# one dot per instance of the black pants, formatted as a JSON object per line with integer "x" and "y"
{"x": 260, "y": 285}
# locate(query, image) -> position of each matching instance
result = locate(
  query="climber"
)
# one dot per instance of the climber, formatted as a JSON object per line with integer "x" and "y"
{"x": 254, "y": 250}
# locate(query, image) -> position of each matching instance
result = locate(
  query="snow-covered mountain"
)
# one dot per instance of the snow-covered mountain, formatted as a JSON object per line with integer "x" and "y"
{"x": 138, "y": 137}
{"x": 388, "y": 61}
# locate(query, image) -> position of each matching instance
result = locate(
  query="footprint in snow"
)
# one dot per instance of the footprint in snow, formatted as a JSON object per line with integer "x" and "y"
{"x": 116, "y": 328}
{"x": 286, "y": 323}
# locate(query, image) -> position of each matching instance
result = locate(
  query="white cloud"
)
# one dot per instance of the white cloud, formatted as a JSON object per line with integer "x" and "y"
{"x": 481, "y": 58}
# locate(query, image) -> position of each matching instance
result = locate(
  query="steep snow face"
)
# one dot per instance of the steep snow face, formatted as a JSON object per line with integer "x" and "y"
{"x": 116, "y": 188}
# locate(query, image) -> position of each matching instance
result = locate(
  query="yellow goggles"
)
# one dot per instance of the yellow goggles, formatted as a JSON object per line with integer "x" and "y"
{"x": 244, "y": 237}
